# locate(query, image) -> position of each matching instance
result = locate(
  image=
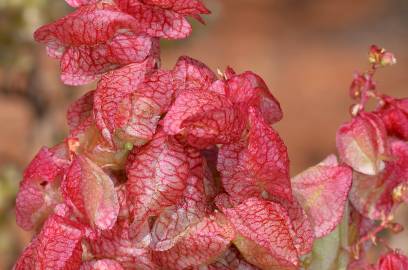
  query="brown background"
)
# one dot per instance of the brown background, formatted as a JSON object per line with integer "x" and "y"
{"x": 306, "y": 50}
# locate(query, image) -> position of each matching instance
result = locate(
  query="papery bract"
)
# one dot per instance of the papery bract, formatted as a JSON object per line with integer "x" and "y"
{"x": 190, "y": 74}
{"x": 329, "y": 252}
{"x": 91, "y": 191}
{"x": 103, "y": 264}
{"x": 78, "y": 3}
{"x": 373, "y": 195}
{"x": 175, "y": 220}
{"x": 394, "y": 113}
{"x": 257, "y": 165}
{"x": 322, "y": 190}
{"x": 80, "y": 114}
{"x": 231, "y": 259}
{"x": 139, "y": 113}
{"x": 266, "y": 236}
{"x": 111, "y": 90}
{"x": 39, "y": 189}
{"x": 393, "y": 260}
{"x": 362, "y": 143}
{"x": 248, "y": 89}
{"x": 204, "y": 118}
{"x": 117, "y": 244}
{"x": 57, "y": 246}
{"x": 201, "y": 244}
{"x": 157, "y": 177}
{"x": 165, "y": 19}
{"x": 84, "y": 54}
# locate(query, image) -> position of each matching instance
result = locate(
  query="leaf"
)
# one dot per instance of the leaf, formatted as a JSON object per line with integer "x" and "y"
{"x": 117, "y": 244}
{"x": 80, "y": 114}
{"x": 139, "y": 113}
{"x": 256, "y": 166}
{"x": 394, "y": 113}
{"x": 39, "y": 189}
{"x": 392, "y": 260}
{"x": 362, "y": 143}
{"x": 373, "y": 196}
{"x": 157, "y": 177}
{"x": 103, "y": 264}
{"x": 84, "y": 64}
{"x": 77, "y": 3}
{"x": 91, "y": 191}
{"x": 329, "y": 251}
{"x": 173, "y": 223}
{"x": 231, "y": 259}
{"x": 248, "y": 89}
{"x": 266, "y": 236}
{"x": 203, "y": 243}
{"x": 84, "y": 54}
{"x": 322, "y": 190}
{"x": 163, "y": 19}
{"x": 190, "y": 74}
{"x": 203, "y": 118}
{"x": 57, "y": 246}
{"x": 111, "y": 90}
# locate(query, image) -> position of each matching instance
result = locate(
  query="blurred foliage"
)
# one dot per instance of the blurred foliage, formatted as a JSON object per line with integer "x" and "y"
{"x": 18, "y": 20}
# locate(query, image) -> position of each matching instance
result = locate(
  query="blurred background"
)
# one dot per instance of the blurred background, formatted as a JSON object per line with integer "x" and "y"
{"x": 306, "y": 50}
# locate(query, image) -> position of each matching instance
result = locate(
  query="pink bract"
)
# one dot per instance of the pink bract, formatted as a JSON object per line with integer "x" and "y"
{"x": 362, "y": 143}
{"x": 84, "y": 55}
{"x": 182, "y": 169}
{"x": 322, "y": 190}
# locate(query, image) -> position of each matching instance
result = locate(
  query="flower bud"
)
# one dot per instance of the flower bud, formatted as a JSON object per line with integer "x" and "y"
{"x": 380, "y": 57}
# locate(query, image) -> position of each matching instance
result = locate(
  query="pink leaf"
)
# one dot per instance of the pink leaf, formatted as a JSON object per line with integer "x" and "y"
{"x": 84, "y": 64}
{"x": 138, "y": 114}
{"x": 173, "y": 222}
{"x": 117, "y": 244}
{"x": 231, "y": 259}
{"x": 57, "y": 246}
{"x": 103, "y": 264}
{"x": 157, "y": 177}
{"x": 202, "y": 243}
{"x": 265, "y": 233}
{"x": 362, "y": 143}
{"x": 165, "y": 19}
{"x": 302, "y": 233}
{"x": 248, "y": 89}
{"x": 191, "y": 74}
{"x": 80, "y": 114}
{"x": 85, "y": 54}
{"x": 322, "y": 190}
{"x": 373, "y": 196}
{"x": 78, "y": 3}
{"x": 91, "y": 191}
{"x": 395, "y": 116}
{"x": 39, "y": 189}
{"x": 393, "y": 260}
{"x": 111, "y": 90}
{"x": 204, "y": 118}
{"x": 260, "y": 164}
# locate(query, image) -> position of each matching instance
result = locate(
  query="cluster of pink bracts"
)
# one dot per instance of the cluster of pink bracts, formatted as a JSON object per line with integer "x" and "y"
{"x": 181, "y": 169}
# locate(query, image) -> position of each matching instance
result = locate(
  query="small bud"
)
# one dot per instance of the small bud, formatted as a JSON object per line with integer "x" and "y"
{"x": 128, "y": 146}
{"x": 400, "y": 193}
{"x": 361, "y": 83}
{"x": 380, "y": 57}
{"x": 388, "y": 59}
{"x": 395, "y": 227}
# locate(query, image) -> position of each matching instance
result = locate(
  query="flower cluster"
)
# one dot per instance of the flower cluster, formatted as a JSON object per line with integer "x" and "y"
{"x": 182, "y": 169}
